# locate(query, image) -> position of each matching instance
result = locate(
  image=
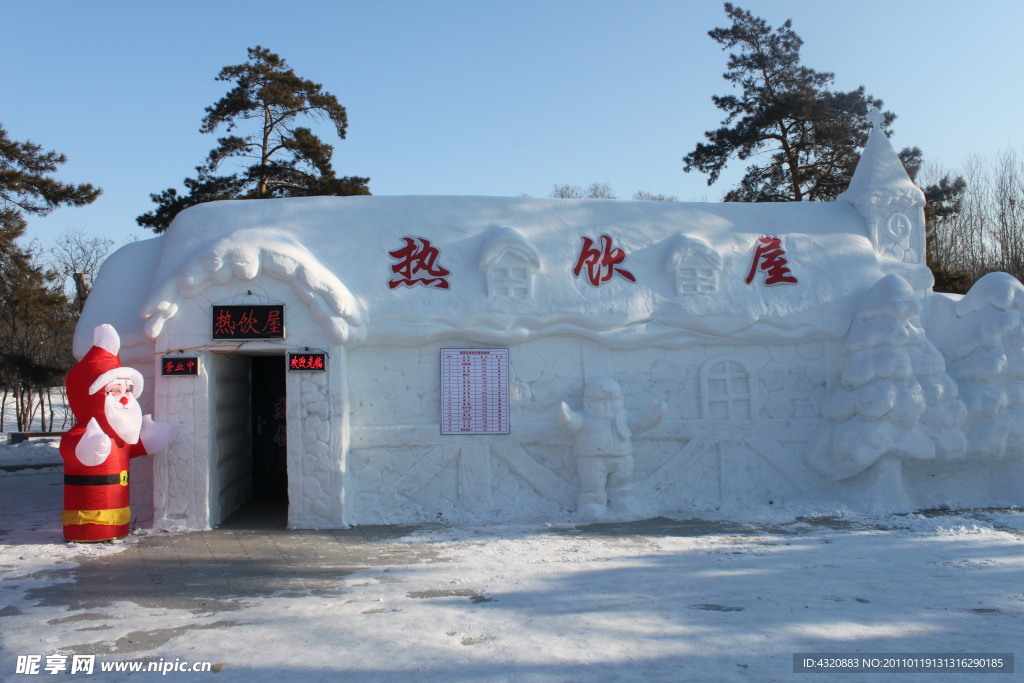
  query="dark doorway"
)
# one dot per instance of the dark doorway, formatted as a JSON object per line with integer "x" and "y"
{"x": 269, "y": 427}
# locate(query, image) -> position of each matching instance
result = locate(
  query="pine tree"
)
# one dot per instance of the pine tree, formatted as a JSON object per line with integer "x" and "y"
{"x": 35, "y": 322}
{"x": 276, "y": 158}
{"x": 36, "y": 329}
{"x": 27, "y": 188}
{"x": 811, "y": 134}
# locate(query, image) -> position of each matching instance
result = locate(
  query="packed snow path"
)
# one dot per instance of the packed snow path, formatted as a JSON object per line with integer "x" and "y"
{"x": 653, "y": 600}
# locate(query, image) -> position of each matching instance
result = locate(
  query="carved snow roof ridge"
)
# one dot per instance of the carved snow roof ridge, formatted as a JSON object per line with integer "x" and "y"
{"x": 243, "y": 255}
{"x": 686, "y": 246}
{"x": 503, "y": 240}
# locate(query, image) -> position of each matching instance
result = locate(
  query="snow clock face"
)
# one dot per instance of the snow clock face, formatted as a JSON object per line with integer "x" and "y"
{"x": 899, "y": 226}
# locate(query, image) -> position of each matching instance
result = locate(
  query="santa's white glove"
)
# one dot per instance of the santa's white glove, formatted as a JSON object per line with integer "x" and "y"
{"x": 94, "y": 446}
{"x": 155, "y": 435}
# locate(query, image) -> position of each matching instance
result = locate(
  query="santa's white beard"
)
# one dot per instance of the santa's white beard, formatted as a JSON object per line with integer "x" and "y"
{"x": 125, "y": 420}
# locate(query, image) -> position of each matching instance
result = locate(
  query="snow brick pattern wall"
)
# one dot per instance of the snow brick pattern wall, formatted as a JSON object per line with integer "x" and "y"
{"x": 786, "y": 355}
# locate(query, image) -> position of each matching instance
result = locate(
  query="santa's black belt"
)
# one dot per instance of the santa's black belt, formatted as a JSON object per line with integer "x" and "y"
{"x": 95, "y": 479}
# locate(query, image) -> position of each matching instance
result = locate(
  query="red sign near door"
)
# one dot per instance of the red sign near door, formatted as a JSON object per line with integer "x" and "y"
{"x": 309, "y": 362}
{"x": 187, "y": 366}
{"x": 248, "y": 322}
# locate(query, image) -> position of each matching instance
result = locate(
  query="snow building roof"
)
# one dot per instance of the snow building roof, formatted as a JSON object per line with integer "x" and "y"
{"x": 339, "y": 253}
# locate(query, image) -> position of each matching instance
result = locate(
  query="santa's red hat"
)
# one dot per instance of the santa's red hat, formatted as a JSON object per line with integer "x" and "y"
{"x": 98, "y": 368}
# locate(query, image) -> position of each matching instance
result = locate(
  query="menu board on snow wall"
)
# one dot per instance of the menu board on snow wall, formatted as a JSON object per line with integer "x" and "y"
{"x": 474, "y": 391}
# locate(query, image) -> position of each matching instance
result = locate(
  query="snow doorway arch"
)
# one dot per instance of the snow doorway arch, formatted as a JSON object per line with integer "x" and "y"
{"x": 202, "y": 477}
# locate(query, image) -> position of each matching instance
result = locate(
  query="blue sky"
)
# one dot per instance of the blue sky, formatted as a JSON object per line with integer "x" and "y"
{"x": 460, "y": 97}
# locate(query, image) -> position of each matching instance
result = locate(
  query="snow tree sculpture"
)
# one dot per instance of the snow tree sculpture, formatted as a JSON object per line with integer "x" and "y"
{"x": 985, "y": 350}
{"x": 894, "y": 400}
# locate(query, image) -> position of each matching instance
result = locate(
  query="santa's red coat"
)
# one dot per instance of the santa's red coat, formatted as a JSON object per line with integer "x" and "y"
{"x": 96, "y": 497}
{"x": 99, "y": 492}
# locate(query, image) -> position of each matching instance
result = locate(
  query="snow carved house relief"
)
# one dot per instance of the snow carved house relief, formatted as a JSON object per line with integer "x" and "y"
{"x": 510, "y": 263}
{"x": 764, "y": 387}
{"x": 695, "y": 265}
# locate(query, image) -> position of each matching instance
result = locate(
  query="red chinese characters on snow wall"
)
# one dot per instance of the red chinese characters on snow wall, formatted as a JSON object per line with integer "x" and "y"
{"x": 598, "y": 261}
{"x": 601, "y": 263}
{"x": 770, "y": 258}
{"x": 417, "y": 265}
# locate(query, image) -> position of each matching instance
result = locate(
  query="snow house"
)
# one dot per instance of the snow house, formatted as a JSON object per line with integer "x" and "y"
{"x": 416, "y": 359}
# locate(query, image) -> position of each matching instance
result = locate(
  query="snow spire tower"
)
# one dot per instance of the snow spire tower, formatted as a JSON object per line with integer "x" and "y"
{"x": 887, "y": 198}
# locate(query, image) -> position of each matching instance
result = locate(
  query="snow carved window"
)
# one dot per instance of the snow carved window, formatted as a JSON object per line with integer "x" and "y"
{"x": 696, "y": 279}
{"x": 695, "y": 265}
{"x": 727, "y": 390}
{"x": 510, "y": 262}
{"x": 510, "y": 277}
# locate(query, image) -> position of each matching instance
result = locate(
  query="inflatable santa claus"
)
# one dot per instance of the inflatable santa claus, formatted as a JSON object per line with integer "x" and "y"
{"x": 109, "y": 430}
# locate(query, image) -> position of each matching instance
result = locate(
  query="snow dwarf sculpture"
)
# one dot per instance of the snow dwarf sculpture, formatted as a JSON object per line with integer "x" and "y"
{"x": 109, "y": 429}
{"x": 604, "y": 446}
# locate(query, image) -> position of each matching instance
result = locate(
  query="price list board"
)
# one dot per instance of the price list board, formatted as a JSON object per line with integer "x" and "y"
{"x": 474, "y": 391}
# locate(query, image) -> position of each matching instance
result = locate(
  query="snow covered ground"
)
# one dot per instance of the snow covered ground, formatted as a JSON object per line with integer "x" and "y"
{"x": 33, "y": 452}
{"x": 716, "y": 602}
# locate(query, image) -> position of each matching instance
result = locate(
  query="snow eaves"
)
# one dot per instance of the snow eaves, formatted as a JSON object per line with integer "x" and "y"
{"x": 502, "y": 241}
{"x": 686, "y": 247}
{"x": 244, "y": 255}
